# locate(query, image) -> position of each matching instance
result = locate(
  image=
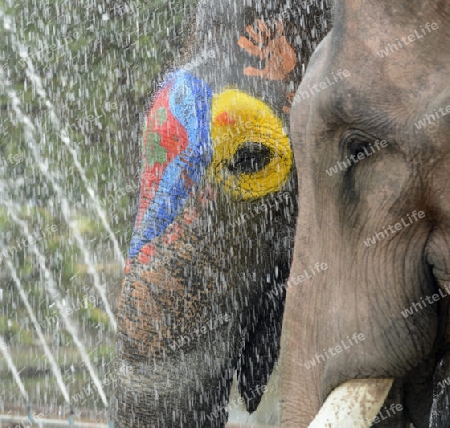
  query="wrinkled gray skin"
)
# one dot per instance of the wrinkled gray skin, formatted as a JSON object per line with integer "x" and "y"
{"x": 214, "y": 267}
{"x": 365, "y": 289}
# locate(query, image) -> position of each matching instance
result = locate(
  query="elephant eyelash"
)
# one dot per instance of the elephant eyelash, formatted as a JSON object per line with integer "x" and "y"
{"x": 249, "y": 158}
{"x": 357, "y": 148}
{"x": 354, "y": 142}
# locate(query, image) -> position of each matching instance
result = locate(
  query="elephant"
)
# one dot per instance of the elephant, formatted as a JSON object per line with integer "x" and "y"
{"x": 366, "y": 341}
{"x": 203, "y": 292}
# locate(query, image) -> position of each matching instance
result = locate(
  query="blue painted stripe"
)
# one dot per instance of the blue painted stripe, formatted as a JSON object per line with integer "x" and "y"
{"x": 190, "y": 103}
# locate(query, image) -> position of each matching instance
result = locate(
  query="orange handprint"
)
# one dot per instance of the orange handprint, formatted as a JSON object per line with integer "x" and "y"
{"x": 276, "y": 51}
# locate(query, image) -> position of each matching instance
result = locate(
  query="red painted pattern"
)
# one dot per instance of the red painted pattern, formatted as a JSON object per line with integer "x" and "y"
{"x": 173, "y": 138}
{"x": 173, "y": 234}
{"x": 127, "y": 270}
{"x": 224, "y": 119}
{"x": 190, "y": 216}
{"x": 146, "y": 253}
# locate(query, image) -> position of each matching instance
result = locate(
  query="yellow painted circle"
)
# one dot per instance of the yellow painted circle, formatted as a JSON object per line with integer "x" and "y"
{"x": 238, "y": 118}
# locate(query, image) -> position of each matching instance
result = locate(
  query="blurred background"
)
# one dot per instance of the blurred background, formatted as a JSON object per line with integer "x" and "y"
{"x": 75, "y": 81}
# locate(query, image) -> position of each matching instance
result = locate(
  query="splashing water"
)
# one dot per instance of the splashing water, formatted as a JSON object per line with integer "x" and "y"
{"x": 48, "y": 354}
{"x": 12, "y": 367}
{"x": 34, "y": 78}
{"x": 56, "y": 297}
{"x": 43, "y": 165}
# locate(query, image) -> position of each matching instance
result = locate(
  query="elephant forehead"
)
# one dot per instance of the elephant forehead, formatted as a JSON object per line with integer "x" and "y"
{"x": 177, "y": 150}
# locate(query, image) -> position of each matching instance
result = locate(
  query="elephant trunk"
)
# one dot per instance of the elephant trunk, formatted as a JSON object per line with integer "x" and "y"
{"x": 159, "y": 351}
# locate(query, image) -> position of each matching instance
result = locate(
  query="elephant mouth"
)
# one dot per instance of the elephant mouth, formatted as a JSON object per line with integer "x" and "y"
{"x": 361, "y": 402}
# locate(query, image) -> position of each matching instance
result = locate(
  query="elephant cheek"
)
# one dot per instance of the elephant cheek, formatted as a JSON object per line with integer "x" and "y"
{"x": 138, "y": 320}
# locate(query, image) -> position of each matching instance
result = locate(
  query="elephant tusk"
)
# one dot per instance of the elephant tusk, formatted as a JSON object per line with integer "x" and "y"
{"x": 353, "y": 404}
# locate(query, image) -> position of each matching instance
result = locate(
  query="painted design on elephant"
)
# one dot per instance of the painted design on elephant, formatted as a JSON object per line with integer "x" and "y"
{"x": 232, "y": 136}
{"x": 177, "y": 149}
{"x": 252, "y": 156}
{"x": 274, "y": 49}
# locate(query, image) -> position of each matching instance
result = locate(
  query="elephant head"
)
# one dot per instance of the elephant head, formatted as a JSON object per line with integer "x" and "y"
{"x": 212, "y": 244}
{"x": 370, "y": 128}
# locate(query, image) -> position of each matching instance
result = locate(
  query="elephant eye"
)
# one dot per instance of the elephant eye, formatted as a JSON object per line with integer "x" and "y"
{"x": 251, "y": 157}
{"x": 357, "y": 147}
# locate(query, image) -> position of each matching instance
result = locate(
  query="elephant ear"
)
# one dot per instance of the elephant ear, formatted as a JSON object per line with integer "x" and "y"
{"x": 261, "y": 347}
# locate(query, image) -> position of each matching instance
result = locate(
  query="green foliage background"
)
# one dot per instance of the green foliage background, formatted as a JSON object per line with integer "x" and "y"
{"x": 97, "y": 61}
